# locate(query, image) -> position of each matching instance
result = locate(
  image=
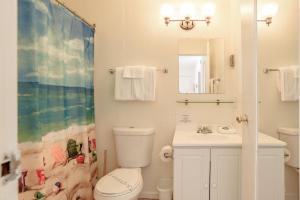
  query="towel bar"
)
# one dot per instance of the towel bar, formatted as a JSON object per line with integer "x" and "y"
{"x": 163, "y": 70}
{"x": 267, "y": 70}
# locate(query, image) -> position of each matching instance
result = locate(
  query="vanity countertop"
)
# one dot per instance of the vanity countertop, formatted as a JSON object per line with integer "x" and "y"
{"x": 186, "y": 136}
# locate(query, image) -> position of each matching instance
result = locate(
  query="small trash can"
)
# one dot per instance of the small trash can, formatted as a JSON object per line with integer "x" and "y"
{"x": 165, "y": 189}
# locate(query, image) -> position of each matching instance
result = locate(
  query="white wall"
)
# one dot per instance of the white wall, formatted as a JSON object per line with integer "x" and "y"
{"x": 278, "y": 46}
{"x": 130, "y": 33}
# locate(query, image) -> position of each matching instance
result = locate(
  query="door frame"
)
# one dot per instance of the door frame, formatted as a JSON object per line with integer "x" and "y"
{"x": 8, "y": 91}
{"x": 299, "y": 84}
{"x": 249, "y": 100}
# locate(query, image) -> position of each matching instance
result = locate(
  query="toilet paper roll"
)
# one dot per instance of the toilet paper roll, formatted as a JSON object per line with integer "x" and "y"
{"x": 287, "y": 155}
{"x": 166, "y": 154}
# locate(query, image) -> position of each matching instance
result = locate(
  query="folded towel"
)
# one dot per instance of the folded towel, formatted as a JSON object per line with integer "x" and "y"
{"x": 150, "y": 83}
{"x": 288, "y": 83}
{"x": 134, "y": 72}
{"x": 141, "y": 89}
{"x": 144, "y": 89}
{"x": 138, "y": 89}
{"x": 123, "y": 86}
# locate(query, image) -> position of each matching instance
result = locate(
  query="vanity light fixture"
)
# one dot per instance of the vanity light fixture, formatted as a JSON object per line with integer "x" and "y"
{"x": 187, "y": 12}
{"x": 268, "y": 11}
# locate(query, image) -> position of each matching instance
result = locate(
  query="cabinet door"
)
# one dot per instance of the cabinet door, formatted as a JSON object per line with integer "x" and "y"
{"x": 270, "y": 174}
{"x": 225, "y": 174}
{"x": 191, "y": 174}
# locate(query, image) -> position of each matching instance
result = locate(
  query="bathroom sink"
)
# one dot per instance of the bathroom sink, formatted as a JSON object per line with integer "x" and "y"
{"x": 186, "y": 135}
{"x": 213, "y": 139}
{"x": 189, "y": 135}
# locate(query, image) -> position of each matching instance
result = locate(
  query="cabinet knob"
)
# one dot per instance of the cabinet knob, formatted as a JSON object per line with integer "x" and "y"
{"x": 206, "y": 185}
{"x": 214, "y": 185}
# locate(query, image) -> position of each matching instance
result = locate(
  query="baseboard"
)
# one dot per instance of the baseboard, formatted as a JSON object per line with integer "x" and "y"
{"x": 154, "y": 195}
{"x": 148, "y": 195}
{"x": 291, "y": 196}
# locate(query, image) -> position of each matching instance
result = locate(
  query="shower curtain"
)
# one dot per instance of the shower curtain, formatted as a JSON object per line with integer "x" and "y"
{"x": 56, "y": 130}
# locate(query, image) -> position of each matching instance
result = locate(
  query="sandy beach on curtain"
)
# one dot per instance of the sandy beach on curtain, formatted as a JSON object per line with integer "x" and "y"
{"x": 76, "y": 178}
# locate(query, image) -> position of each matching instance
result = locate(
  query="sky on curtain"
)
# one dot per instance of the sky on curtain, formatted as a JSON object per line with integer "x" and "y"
{"x": 61, "y": 44}
{"x": 55, "y": 69}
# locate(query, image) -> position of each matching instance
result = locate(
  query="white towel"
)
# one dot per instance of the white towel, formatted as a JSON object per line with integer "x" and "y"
{"x": 144, "y": 89}
{"x": 150, "y": 83}
{"x": 134, "y": 72}
{"x": 138, "y": 88}
{"x": 289, "y": 83}
{"x": 123, "y": 86}
{"x": 141, "y": 89}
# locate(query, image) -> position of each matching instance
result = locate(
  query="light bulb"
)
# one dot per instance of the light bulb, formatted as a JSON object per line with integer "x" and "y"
{"x": 187, "y": 10}
{"x": 269, "y": 10}
{"x": 208, "y": 10}
{"x": 166, "y": 10}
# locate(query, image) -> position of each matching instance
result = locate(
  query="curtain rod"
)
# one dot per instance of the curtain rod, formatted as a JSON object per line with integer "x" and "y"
{"x": 92, "y": 26}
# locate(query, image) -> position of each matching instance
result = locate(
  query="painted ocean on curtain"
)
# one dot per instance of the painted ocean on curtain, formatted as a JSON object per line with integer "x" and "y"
{"x": 56, "y": 129}
{"x": 48, "y": 108}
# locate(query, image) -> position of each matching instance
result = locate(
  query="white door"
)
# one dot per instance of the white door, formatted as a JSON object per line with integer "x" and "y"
{"x": 249, "y": 98}
{"x": 225, "y": 174}
{"x": 8, "y": 92}
{"x": 191, "y": 174}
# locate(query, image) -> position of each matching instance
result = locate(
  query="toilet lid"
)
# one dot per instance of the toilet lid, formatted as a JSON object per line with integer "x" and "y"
{"x": 120, "y": 181}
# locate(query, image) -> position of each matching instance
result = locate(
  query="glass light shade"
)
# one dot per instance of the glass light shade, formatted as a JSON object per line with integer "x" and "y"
{"x": 208, "y": 10}
{"x": 269, "y": 10}
{"x": 187, "y": 10}
{"x": 166, "y": 10}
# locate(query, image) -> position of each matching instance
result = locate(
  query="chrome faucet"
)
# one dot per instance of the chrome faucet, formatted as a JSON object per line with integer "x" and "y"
{"x": 204, "y": 130}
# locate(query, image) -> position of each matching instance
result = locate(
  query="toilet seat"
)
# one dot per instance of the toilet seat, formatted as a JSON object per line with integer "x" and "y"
{"x": 122, "y": 183}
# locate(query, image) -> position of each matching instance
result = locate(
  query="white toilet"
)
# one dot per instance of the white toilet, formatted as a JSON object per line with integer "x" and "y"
{"x": 134, "y": 151}
{"x": 291, "y": 137}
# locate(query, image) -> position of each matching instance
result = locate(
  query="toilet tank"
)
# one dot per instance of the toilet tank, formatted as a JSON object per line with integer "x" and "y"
{"x": 291, "y": 137}
{"x": 134, "y": 146}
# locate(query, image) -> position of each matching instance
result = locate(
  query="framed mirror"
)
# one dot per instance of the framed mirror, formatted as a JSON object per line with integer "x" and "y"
{"x": 201, "y": 66}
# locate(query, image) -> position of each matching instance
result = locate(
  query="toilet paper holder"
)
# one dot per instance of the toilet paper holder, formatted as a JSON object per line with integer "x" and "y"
{"x": 166, "y": 153}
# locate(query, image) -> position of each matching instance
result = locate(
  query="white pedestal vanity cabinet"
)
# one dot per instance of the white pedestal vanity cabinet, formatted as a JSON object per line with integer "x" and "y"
{"x": 209, "y": 168}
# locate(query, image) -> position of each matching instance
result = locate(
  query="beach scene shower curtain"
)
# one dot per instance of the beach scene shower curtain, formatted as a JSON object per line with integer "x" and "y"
{"x": 56, "y": 129}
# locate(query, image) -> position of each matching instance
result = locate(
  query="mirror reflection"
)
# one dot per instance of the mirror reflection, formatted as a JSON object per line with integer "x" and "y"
{"x": 201, "y": 66}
